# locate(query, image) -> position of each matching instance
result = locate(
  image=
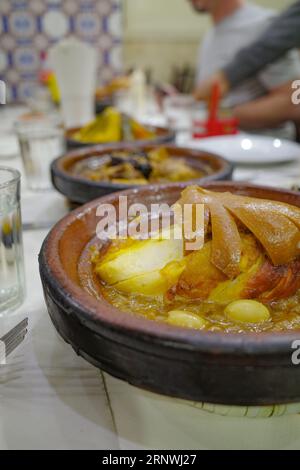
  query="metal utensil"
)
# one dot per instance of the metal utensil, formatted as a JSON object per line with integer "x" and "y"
{"x": 11, "y": 340}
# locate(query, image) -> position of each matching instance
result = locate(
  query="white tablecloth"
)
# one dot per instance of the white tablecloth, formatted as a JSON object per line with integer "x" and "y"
{"x": 51, "y": 399}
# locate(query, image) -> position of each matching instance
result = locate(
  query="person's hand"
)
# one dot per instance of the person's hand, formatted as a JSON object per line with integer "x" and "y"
{"x": 204, "y": 89}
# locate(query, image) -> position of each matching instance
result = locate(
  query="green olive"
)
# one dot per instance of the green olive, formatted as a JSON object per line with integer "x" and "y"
{"x": 186, "y": 320}
{"x": 247, "y": 311}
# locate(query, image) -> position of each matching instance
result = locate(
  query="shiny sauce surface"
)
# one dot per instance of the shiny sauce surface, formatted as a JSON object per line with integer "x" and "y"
{"x": 285, "y": 314}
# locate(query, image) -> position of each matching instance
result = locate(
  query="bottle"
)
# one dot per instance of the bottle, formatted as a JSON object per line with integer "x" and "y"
{"x": 138, "y": 92}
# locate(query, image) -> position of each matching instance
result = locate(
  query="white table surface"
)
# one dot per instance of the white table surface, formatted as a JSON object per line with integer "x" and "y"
{"x": 52, "y": 399}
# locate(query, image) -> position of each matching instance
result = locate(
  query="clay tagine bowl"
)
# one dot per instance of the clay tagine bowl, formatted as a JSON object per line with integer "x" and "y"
{"x": 80, "y": 190}
{"x": 229, "y": 369}
{"x": 163, "y": 136}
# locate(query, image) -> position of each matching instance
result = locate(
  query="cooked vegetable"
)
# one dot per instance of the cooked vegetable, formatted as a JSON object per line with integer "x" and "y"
{"x": 137, "y": 168}
{"x": 246, "y": 277}
{"x": 107, "y": 127}
{"x": 275, "y": 225}
{"x": 202, "y": 280}
{"x": 138, "y": 266}
{"x": 186, "y": 319}
{"x": 140, "y": 132}
{"x": 150, "y": 284}
{"x": 248, "y": 311}
{"x": 112, "y": 126}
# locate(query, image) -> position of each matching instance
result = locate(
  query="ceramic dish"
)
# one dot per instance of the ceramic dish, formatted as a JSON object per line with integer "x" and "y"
{"x": 163, "y": 136}
{"x": 248, "y": 369}
{"x": 81, "y": 190}
{"x": 248, "y": 149}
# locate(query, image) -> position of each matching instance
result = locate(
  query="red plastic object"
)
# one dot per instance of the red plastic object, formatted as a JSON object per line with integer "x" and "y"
{"x": 215, "y": 126}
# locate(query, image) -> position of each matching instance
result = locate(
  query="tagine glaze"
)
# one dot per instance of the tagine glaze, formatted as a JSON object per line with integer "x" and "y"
{"x": 242, "y": 370}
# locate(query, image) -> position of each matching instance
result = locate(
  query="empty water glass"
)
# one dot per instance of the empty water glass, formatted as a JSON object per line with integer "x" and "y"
{"x": 41, "y": 141}
{"x": 12, "y": 283}
{"x": 178, "y": 110}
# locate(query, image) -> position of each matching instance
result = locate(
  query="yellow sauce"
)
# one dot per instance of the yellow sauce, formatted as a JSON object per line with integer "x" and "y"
{"x": 285, "y": 314}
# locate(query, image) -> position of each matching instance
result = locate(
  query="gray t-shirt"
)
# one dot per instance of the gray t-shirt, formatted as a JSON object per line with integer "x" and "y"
{"x": 225, "y": 39}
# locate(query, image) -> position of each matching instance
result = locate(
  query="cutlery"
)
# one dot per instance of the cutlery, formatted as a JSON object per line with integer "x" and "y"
{"x": 11, "y": 340}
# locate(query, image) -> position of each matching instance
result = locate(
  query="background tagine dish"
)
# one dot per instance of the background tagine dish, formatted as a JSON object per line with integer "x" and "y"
{"x": 85, "y": 174}
{"x": 137, "y": 168}
{"x": 112, "y": 126}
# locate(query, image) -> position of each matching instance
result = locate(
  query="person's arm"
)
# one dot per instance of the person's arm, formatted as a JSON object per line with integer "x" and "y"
{"x": 204, "y": 88}
{"x": 282, "y": 35}
{"x": 269, "y": 111}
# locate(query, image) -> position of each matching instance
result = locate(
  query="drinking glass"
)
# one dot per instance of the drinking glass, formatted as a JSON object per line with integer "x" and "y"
{"x": 9, "y": 146}
{"x": 41, "y": 141}
{"x": 12, "y": 282}
{"x": 178, "y": 110}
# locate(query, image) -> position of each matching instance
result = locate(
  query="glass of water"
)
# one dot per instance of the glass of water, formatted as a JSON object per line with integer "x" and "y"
{"x": 41, "y": 140}
{"x": 178, "y": 110}
{"x": 12, "y": 282}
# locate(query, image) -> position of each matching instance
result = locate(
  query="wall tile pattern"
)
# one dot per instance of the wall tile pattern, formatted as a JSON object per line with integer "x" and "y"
{"x": 30, "y": 27}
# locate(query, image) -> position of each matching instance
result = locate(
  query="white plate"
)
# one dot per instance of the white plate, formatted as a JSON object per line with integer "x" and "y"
{"x": 248, "y": 149}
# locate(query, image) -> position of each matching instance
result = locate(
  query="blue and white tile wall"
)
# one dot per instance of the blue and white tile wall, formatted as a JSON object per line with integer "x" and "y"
{"x": 30, "y": 27}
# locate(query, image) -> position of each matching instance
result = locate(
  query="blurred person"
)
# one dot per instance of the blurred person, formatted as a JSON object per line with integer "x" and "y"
{"x": 264, "y": 100}
{"x": 282, "y": 35}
